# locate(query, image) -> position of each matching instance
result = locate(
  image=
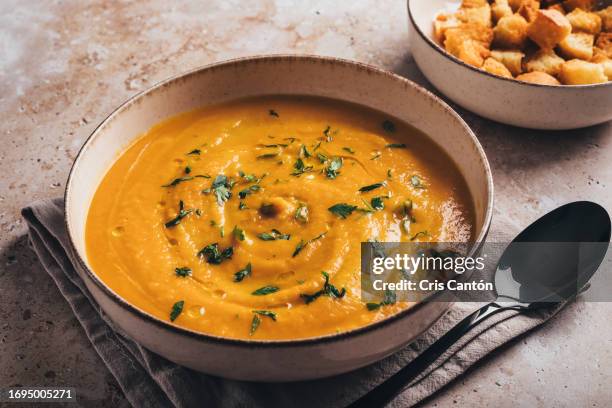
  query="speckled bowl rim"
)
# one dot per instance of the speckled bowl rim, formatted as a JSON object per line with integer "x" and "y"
{"x": 457, "y": 61}
{"x": 309, "y": 341}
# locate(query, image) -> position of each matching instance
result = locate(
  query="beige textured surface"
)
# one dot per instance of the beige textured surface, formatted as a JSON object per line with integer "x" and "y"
{"x": 65, "y": 65}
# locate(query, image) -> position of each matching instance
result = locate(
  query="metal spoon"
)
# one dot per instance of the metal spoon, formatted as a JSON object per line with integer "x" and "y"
{"x": 526, "y": 277}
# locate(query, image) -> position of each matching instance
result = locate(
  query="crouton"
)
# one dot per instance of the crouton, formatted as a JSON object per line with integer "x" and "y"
{"x": 515, "y": 4}
{"x": 474, "y": 3}
{"x": 606, "y": 18}
{"x": 511, "y": 60}
{"x": 529, "y": 9}
{"x": 549, "y": 28}
{"x": 570, "y": 5}
{"x": 469, "y": 42}
{"x": 500, "y": 9}
{"x": 600, "y": 58}
{"x": 537, "y": 77}
{"x": 544, "y": 61}
{"x": 479, "y": 15}
{"x": 510, "y": 32}
{"x": 604, "y": 42}
{"x": 584, "y": 21}
{"x": 495, "y": 67}
{"x": 473, "y": 53}
{"x": 577, "y": 45}
{"x": 442, "y": 23}
{"x": 578, "y": 72}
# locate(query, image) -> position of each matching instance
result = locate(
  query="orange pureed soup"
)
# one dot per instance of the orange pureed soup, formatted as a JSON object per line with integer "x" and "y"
{"x": 245, "y": 219}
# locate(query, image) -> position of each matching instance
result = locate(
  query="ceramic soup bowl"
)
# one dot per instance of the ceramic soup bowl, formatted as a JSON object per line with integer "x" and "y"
{"x": 286, "y": 360}
{"x": 501, "y": 99}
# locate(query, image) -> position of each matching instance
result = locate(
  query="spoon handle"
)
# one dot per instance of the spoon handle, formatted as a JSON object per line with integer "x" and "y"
{"x": 385, "y": 392}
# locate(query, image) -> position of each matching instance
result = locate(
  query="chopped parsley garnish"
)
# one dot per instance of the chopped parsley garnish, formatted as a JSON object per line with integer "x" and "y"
{"x": 304, "y": 152}
{"x": 214, "y": 255}
{"x": 301, "y": 213}
{"x": 183, "y": 271}
{"x": 419, "y": 234}
{"x": 416, "y": 182}
{"x": 396, "y": 145}
{"x": 273, "y": 236}
{"x": 187, "y": 169}
{"x": 322, "y": 158}
{"x": 249, "y": 190}
{"x": 195, "y": 151}
{"x": 342, "y": 210}
{"x": 371, "y": 187}
{"x": 242, "y": 206}
{"x": 181, "y": 214}
{"x": 303, "y": 244}
{"x": 243, "y": 273}
{"x": 328, "y": 137}
{"x": 266, "y": 156}
{"x": 377, "y": 203}
{"x": 221, "y": 187}
{"x": 238, "y": 233}
{"x": 177, "y": 181}
{"x": 265, "y": 290}
{"x": 266, "y": 313}
{"x": 276, "y": 145}
{"x": 388, "y": 126}
{"x": 389, "y": 299}
{"x": 254, "y": 324}
{"x": 376, "y": 156}
{"x": 349, "y": 149}
{"x": 328, "y": 290}
{"x": 257, "y": 321}
{"x": 249, "y": 178}
{"x": 300, "y": 168}
{"x": 177, "y": 308}
{"x": 272, "y": 112}
{"x": 332, "y": 170}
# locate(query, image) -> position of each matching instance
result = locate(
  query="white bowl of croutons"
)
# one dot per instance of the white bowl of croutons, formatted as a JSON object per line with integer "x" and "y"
{"x": 529, "y": 63}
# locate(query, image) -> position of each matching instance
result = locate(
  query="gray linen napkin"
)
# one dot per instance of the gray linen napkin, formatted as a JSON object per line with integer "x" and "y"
{"x": 149, "y": 380}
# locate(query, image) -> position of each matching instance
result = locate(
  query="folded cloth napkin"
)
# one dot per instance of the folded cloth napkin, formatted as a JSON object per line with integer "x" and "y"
{"x": 149, "y": 380}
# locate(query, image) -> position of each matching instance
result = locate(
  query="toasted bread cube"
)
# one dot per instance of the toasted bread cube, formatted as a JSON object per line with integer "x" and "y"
{"x": 469, "y": 42}
{"x": 584, "y": 21}
{"x": 515, "y": 5}
{"x": 602, "y": 59}
{"x": 495, "y": 67}
{"x": 549, "y": 28}
{"x": 473, "y": 53}
{"x": 474, "y": 3}
{"x": 604, "y": 42}
{"x": 557, "y": 7}
{"x": 578, "y": 72}
{"x": 577, "y": 45}
{"x": 442, "y": 23}
{"x": 544, "y": 61}
{"x": 510, "y": 32}
{"x": 537, "y": 77}
{"x": 511, "y": 60}
{"x": 478, "y": 15}
{"x": 606, "y": 18}
{"x": 570, "y": 5}
{"x": 529, "y": 9}
{"x": 500, "y": 9}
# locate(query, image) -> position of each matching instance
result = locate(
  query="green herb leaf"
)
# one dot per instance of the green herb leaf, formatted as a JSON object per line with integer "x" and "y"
{"x": 177, "y": 308}
{"x": 242, "y": 206}
{"x": 266, "y": 290}
{"x": 255, "y": 324}
{"x": 266, "y": 313}
{"x": 249, "y": 190}
{"x": 214, "y": 255}
{"x": 377, "y": 203}
{"x": 372, "y": 187}
{"x": 333, "y": 169}
{"x": 304, "y": 152}
{"x": 390, "y": 298}
{"x": 181, "y": 214}
{"x": 183, "y": 271}
{"x": 372, "y": 306}
{"x": 388, "y": 126}
{"x": 273, "y": 236}
{"x": 303, "y": 244}
{"x": 266, "y": 156}
{"x": 187, "y": 169}
{"x": 272, "y": 112}
{"x": 342, "y": 210}
{"x": 221, "y": 187}
{"x": 376, "y": 156}
{"x": 243, "y": 273}
{"x": 238, "y": 233}
{"x": 328, "y": 290}
{"x": 300, "y": 168}
{"x": 301, "y": 213}
{"x": 396, "y": 145}
{"x": 177, "y": 181}
{"x": 348, "y": 149}
{"x": 322, "y": 158}
{"x": 195, "y": 151}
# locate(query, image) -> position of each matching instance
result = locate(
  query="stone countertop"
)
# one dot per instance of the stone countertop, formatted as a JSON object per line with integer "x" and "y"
{"x": 64, "y": 66}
